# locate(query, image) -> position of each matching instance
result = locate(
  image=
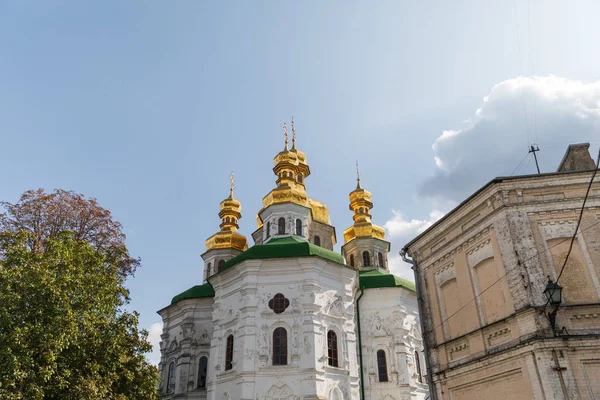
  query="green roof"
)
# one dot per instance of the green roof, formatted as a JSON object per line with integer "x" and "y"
{"x": 195, "y": 292}
{"x": 377, "y": 278}
{"x": 286, "y": 247}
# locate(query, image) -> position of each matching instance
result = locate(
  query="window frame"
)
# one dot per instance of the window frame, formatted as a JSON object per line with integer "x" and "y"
{"x": 333, "y": 359}
{"x": 380, "y": 259}
{"x": 382, "y": 357}
{"x": 352, "y": 260}
{"x": 281, "y": 226}
{"x": 418, "y": 367}
{"x": 229, "y": 352}
{"x": 279, "y": 349}
{"x": 317, "y": 240}
{"x": 198, "y": 385}
{"x": 171, "y": 378}
{"x": 299, "y": 227}
{"x": 366, "y": 256}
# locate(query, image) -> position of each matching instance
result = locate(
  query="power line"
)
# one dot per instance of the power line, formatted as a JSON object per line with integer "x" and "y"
{"x": 521, "y": 70}
{"x": 515, "y": 170}
{"x": 580, "y": 217}
{"x": 498, "y": 280}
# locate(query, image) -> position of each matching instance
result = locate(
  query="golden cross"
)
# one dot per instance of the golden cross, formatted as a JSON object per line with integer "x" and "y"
{"x": 285, "y": 133}
{"x": 231, "y": 183}
{"x": 293, "y": 132}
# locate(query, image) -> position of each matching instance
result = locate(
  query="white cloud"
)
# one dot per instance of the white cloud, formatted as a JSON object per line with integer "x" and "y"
{"x": 154, "y": 338}
{"x": 548, "y": 110}
{"x": 399, "y": 232}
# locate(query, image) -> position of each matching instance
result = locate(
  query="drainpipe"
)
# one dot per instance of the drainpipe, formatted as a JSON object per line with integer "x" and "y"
{"x": 432, "y": 394}
{"x": 362, "y": 379}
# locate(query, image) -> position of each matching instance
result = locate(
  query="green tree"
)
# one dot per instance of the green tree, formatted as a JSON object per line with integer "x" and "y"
{"x": 63, "y": 331}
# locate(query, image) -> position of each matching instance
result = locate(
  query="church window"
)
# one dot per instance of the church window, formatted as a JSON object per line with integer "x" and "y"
{"x": 279, "y": 303}
{"x": 208, "y": 269}
{"x": 299, "y": 178}
{"x": 382, "y": 366}
{"x": 317, "y": 240}
{"x": 332, "y": 349}
{"x": 380, "y": 258}
{"x": 366, "y": 259}
{"x": 281, "y": 226}
{"x": 280, "y": 346}
{"x": 352, "y": 260}
{"x": 202, "y": 365}
{"x": 229, "y": 353}
{"x": 171, "y": 378}
{"x": 298, "y": 227}
{"x": 418, "y": 365}
{"x": 221, "y": 265}
{"x": 268, "y": 229}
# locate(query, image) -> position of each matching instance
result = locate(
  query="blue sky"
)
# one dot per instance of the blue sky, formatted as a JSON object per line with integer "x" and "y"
{"x": 148, "y": 106}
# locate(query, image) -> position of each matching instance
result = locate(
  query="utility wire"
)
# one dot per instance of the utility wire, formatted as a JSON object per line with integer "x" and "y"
{"x": 562, "y": 269}
{"x": 515, "y": 170}
{"x": 498, "y": 280}
{"x": 521, "y": 70}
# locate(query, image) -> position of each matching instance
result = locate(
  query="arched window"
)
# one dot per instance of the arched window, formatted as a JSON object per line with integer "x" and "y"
{"x": 382, "y": 366}
{"x": 280, "y": 346}
{"x": 298, "y": 227}
{"x": 221, "y": 265}
{"x": 352, "y": 260}
{"x": 229, "y": 353}
{"x": 268, "y": 229}
{"x": 202, "y": 365}
{"x": 332, "y": 349}
{"x": 366, "y": 259}
{"x": 171, "y": 378}
{"x": 281, "y": 226}
{"x": 317, "y": 240}
{"x": 299, "y": 177}
{"x": 380, "y": 258}
{"x": 208, "y": 269}
{"x": 418, "y": 365}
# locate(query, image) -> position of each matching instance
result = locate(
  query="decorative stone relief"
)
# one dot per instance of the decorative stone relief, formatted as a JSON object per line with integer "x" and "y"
{"x": 204, "y": 339}
{"x": 479, "y": 253}
{"x": 307, "y": 346}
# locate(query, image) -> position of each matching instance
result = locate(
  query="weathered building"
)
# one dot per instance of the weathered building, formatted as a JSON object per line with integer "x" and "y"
{"x": 481, "y": 272}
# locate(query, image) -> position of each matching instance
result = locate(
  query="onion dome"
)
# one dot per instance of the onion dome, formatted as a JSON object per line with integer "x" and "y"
{"x": 361, "y": 205}
{"x": 228, "y": 237}
{"x": 291, "y": 172}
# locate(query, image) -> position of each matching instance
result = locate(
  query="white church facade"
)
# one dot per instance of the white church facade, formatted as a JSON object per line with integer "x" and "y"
{"x": 289, "y": 318}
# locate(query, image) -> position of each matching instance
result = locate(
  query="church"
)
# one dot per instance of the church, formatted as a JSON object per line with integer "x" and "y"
{"x": 289, "y": 318}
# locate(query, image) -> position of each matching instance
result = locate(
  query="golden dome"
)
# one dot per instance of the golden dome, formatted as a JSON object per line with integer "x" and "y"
{"x": 291, "y": 171}
{"x": 228, "y": 237}
{"x": 360, "y": 204}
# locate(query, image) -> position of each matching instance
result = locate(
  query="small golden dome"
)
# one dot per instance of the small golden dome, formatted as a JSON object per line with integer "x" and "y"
{"x": 361, "y": 205}
{"x": 230, "y": 214}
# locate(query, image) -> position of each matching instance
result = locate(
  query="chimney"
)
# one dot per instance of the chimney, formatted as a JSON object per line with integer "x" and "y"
{"x": 577, "y": 158}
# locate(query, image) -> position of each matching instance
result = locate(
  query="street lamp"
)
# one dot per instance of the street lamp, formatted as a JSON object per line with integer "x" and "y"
{"x": 553, "y": 293}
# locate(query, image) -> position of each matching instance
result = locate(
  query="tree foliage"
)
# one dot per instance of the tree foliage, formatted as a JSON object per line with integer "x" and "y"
{"x": 43, "y": 215}
{"x": 63, "y": 331}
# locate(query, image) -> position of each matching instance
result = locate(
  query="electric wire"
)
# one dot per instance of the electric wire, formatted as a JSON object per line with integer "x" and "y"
{"x": 498, "y": 280}
{"x": 562, "y": 269}
{"x": 521, "y": 71}
{"x": 515, "y": 170}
